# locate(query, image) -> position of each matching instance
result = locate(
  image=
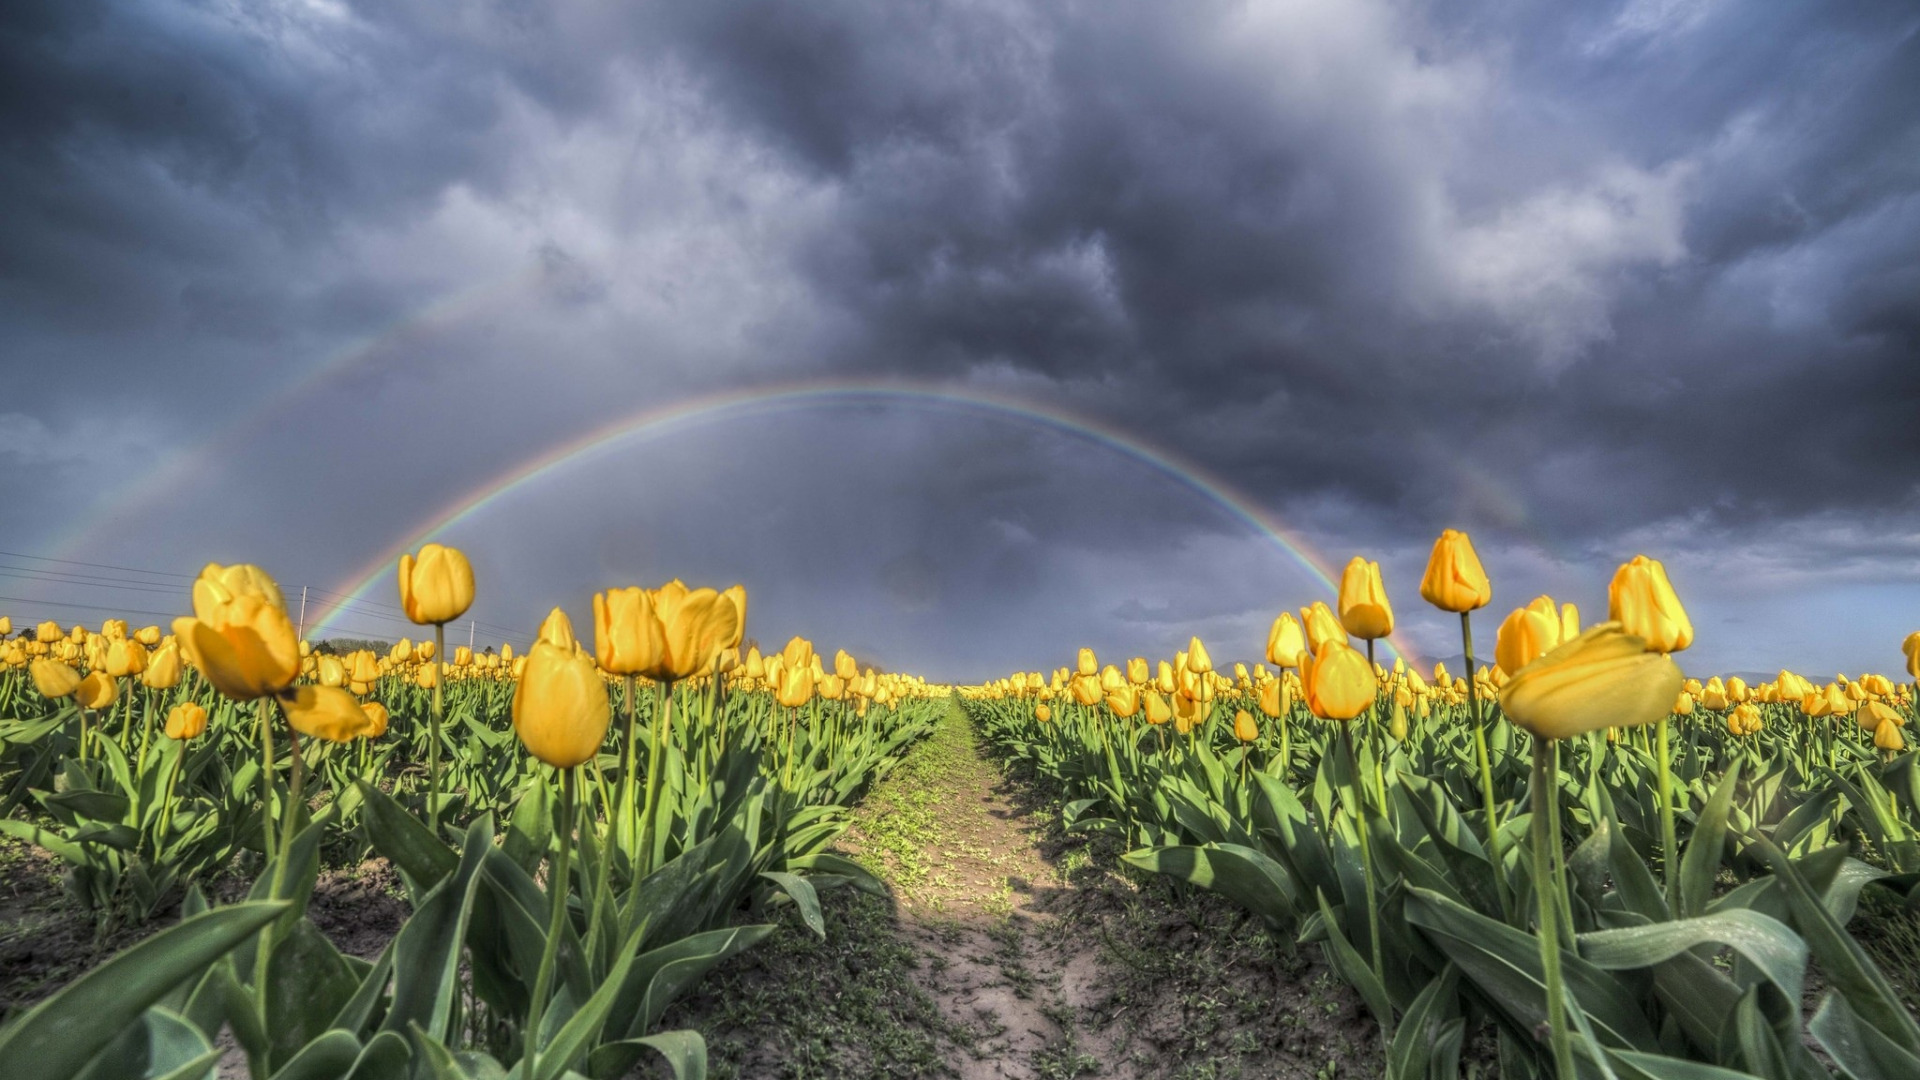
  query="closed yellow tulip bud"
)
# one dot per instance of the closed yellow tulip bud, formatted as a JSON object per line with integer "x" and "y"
{"x": 1085, "y": 689}
{"x": 424, "y": 651}
{"x": 1643, "y": 602}
{"x": 1713, "y": 695}
{"x": 376, "y": 719}
{"x": 1887, "y": 737}
{"x": 114, "y": 629}
{"x": 125, "y": 657}
{"x": 1321, "y": 626}
{"x": 1137, "y": 670}
{"x": 560, "y": 707}
{"x": 437, "y": 587}
{"x": 1683, "y": 705}
{"x": 1524, "y": 637}
{"x": 506, "y": 652}
{"x": 844, "y": 665}
{"x": 48, "y": 632}
{"x": 1163, "y": 679}
{"x": 462, "y": 657}
{"x": 239, "y": 636}
{"x": 697, "y": 624}
{"x": 1272, "y": 697}
{"x": 1087, "y": 664}
{"x": 1198, "y": 661}
{"x": 1838, "y": 703}
{"x": 1397, "y": 726}
{"x": 1285, "y": 642}
{"x": 1042, "y": 713}
{"x": 1747, "y": 715}
{"x": 1337, "y": 682}
{"x": 798, "y": 653}
{"x": 330, "y": 671}
{"x": 831, "y": 687}
{"x": 146, "y": 635}
{"x": 1364, "y": 610}
{"x": 53, "y": 679}
{"x": 366, "y": 670}
{"x": 627, "y": 637}
{"x": 163, "y": 668}
{"x": 1455, "y": 580}
{"x": 1606, "y": 677}
{"x": 1187, "y": 713}
{"x": 1111, "y": 679}
{"x": 186, "y": 720}
{"x": 1871, "y": 715}
{"x": 1244, "y": 729}
{"x": 1158, "y": 712}
{"x": 97, "y": 691}
{"x": 324, "y": 712}
{"x": 1124, "y": 701}
{"x": 796, "y": 686}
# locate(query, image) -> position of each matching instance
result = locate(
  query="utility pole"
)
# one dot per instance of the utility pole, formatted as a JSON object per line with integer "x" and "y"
{"x": 303, "y": 613}
{"x": 469, "y": 635}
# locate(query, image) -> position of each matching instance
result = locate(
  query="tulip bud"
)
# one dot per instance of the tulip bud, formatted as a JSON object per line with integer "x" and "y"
{"x": 438, "y": 586}
{"x": 1887, "y": 737}
{"x": 1606, "y": 677}
{"x": 1087, "y": 664}
{"x": 1642, "y": 601}
{"x": 1124, "y": 700}
{"x": 1272, "y": 697}
{"x": 54, "y": 679}
{"x": 1337, "y": 682}
{"x": 1454, "y": 580}
{"x": 97, "y": 691}
{"x": 1198, "y": 661}
{"x": 1042, "y": 713}
{"x": 560, "y": 707}
{"x": 239, "y": 635}
{"x": 187, "y": 720}
{"x": 1244, "y": 729}
{"x": 1524, "y": 637}
{"x": 1321, "y": 626}
{"x": 1285, "y": 642}
{"x": 1364, "y": 611}
{"x": 324, "y": 712}
{"x": 1157, "y": 710}
{"x": 376, "y": 719}
{"x": 796, "y": 686}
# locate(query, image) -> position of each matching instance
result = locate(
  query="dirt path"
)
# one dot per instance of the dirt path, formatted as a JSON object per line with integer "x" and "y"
{"x": 977, "y": 901}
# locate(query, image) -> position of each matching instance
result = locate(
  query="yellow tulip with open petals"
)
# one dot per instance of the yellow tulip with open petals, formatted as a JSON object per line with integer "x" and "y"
{"x": 239, "y": 635}
{"x": 324, "y": 712}
{"x": 1606, "y": 677}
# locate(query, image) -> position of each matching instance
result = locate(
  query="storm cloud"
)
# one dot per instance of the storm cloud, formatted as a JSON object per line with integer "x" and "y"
{"x": 281, "y": 281}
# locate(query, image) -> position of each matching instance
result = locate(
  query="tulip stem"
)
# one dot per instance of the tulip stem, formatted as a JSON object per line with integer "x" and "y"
{"x": 1366, "y": 859}
{"x": 663, "y": 706}
{"x": 266, "y": 776}
{"x": 433, "y": 723}
{"x": 557, "y": 889}
{"x": 1486, "y": 769}
{"x": 1669, "y": 851}
{"x": 1545, "y": 887}
{"x": 627, "y": 817}
{"x": 289, "y": 816}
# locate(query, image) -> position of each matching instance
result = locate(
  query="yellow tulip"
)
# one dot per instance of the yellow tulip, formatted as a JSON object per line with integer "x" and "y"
{"x": 462, "y": 657}
{"x": 1085, "y": 689}
{"x": 239, "y": 635}
{"x": 186, "y": 720}
{"x": 1285, "y": 642}
{"x": 1272, "y": 697}
{"x": 560, "y": 707}
{"x": 48, "y": 632}
{"x": 1163, "y": 679}
{"x": 1321, "y": 626}
{"x": 1364, "y": 610}
{"x": 1137, "y": 671}
{"x": 697, "y": 626}
{"x": 1524, "y": 637}
{"x": 1158, "y": 712}
{"x": 831, "y": 687}
{"x": 1397, "y": 726}
{"x": 1198, "y": 661}
{"x": 796, "y": 686}
{"x": 366, "y": 670}
{"x": 324, "y": 712}
{"x": 125, "y": 657}
{"x": 1872, "y": 714}
{"x": 1683, "y": 705}
{"x": 97, "y": 691}
{"x": 1042, "y": 713}
{"x": 1713, "y": 695}
{"x": 1244, "y": 729}
{"x": 1606, "y": 677}
{"x": 1454, "y": 580}
{"x": 1124, "y": 701}
{"x": 1887, "y": 737}
{"x": 1643, "y": 602}
{"x": 163, "y": 668}
{"x": 844, "y": 665}
{"x": 329, "y": 671}
{"x": 1087, "y": 664}
{"x": 54, "y": 679}
{"x": 376, "y": 719}
{"x": 627, "y": 637}
{"x": 1337, "y": 682}
{"x": 114, "y": 629}
{"x": 1186, "y": 714}
{"x": 437, "y": 587}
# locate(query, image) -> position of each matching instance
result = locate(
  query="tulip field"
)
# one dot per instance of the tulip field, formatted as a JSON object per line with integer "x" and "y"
{"x": 575, "y": 832}
{"x": 1573, "y": 861}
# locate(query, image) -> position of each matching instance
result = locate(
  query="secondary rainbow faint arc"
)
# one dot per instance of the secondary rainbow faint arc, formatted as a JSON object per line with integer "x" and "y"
{"x": 727, "y": 404}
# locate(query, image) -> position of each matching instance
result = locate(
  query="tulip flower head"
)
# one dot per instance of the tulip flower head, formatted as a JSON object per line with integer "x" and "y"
{"x": 97, "y": 691}
{"x": 1643, "y": 602}
{"x": 560, "y": 707}
{"x": 436, "y": 587}
{"x": 239, "y": 635}
{"x": 1285, "y": 642}
{"x": 187, "y": 720}
{"x": 1244, "y": 729}
{"x": 53, "y": 679}
{"x": 1364, "y": 610}
{"x": 1455, "y": 580}
{"x": 1337, "y": 682}
{"x": 1606, "y": 677}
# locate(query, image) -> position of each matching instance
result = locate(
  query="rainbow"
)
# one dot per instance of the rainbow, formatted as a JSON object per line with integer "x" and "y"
{"x": 734, "y": 404}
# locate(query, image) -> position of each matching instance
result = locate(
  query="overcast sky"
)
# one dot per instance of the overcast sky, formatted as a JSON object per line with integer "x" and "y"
{"x": 280, "y": 280}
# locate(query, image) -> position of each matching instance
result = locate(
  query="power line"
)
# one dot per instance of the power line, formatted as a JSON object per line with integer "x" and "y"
{"x": 97, "y": 566}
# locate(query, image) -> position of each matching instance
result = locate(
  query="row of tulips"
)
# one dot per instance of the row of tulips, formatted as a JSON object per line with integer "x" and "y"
{"x": 569, "y": 875}
{"x": 1541, "y": 846}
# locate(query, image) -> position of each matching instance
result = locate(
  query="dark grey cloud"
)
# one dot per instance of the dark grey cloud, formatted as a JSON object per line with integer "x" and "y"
{"x": 1589, "y": 281}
